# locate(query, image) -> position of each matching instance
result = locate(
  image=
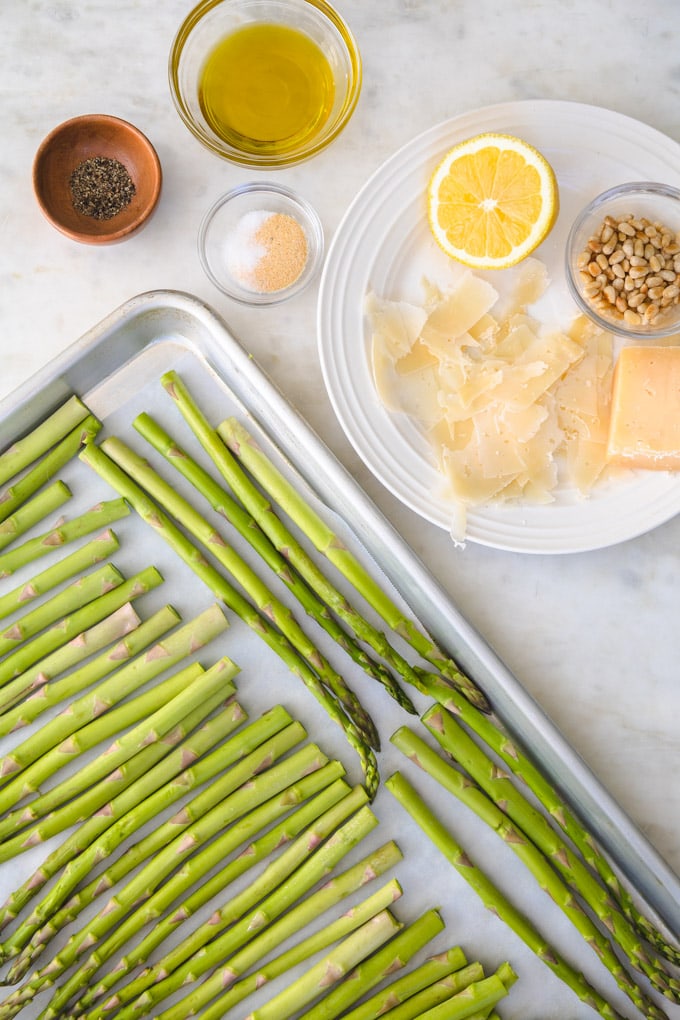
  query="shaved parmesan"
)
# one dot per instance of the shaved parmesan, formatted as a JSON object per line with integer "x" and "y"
{"x": 511, "y": 412}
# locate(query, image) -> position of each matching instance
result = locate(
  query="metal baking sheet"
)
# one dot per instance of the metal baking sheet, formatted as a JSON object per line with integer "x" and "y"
{"x": 115, "y": 368}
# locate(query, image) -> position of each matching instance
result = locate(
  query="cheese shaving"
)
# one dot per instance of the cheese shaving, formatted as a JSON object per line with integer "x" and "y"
{"x": 511, "y": 412}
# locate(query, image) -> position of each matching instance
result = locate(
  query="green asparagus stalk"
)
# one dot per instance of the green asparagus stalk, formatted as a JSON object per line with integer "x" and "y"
{"x": 99, "y": 516}
{"x": 492, "y": 898}
{"x": 262, "y": 511}
{"x": 240, "y": 915}
{"x": 331, "y": 969}
{"x": 44, "y": 470}
{"x": 94, "y": 551}
{"x": 143, "y": 851}
{"x": 303, "y": 815}
{"x": 130, "y": 677}
{"x": 121, "y": 622}
{"x": 191, "y": 836}
{"x": 74, "y": 798}
{"x": 317, "y": 942}
{"x": 387, "y": 960}
{"x": 98, "y": 836}
{"x": 440, "y": 976}
{"x": 476, "y": 998}
{"x": 459, "y": 785}
{"x": 454, "y": 740}
{"x": 223, "y": 504}
{"x": 222, "y": 589}
{"x": 101, "y": 835}
{"x": 90, "y": 732}
{"x": 265, "y": 600}
{"x": 242, "y": 444}
{"x": 40, "y": 438}
{"x": 33, "y": 511}
{"x": 520, "y": 765}
{"x": 290, "y": 923}
{"x": 78, "y": 594}
{"x": 122, "y": 635}
{"x": 76, "y": 622}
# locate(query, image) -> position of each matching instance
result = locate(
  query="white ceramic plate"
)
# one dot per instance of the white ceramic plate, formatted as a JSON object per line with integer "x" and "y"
{"x": 384, "y": 243}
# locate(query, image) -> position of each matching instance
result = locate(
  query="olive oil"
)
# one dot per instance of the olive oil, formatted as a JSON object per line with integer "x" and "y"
{"x": 266, "y": 88}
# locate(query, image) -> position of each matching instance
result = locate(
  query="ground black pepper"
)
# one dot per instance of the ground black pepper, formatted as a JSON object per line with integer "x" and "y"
{"x": 101, "y": 187}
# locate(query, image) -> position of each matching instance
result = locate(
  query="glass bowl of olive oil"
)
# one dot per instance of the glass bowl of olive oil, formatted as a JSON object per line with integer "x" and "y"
{"x": 265, "y": 83}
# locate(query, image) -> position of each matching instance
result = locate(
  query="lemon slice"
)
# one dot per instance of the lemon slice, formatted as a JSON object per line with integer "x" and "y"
{"x": 491, "y": 201}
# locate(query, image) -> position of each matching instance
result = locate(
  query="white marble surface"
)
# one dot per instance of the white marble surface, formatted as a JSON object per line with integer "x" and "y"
{"x": 594, "y": 637}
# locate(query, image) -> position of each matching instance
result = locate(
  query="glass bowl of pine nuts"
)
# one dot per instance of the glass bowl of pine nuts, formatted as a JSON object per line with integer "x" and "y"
{"x": 623, "y": 260}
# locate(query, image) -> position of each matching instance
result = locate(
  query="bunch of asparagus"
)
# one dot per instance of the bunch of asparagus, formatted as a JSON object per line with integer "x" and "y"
{"x": 260, "y": 797}
{"x": 562, "y": 857}
{"x": 241, "y": 502}
{"x": 250, "y": 794}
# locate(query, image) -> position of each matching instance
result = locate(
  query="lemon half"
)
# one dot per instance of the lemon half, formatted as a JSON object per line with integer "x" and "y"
{"x": 492, "y": 200}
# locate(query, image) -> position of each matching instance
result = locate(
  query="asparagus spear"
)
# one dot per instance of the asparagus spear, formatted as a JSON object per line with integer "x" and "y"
{"x": 473, "y": 1000}
{"x": 98, "y": 516}
{"x": 94, "y": 551}
{"x": 520, "y": 765}
{"x": 290, "y": 923}
{"x": 99, "y": 837}
{"x": 156, "y": 518}
{"x": 226, "y": 507}
{"x": 56, "y": 809}
{"x": 227, "y": 784}
{"x": 265, "y": 600}
{"x": 318, "y": 941}
{"x": 33, "y": 511}
{"x": 40, "y": 438}
{"x": 199, "y": 865}
{"x": 164, "y": 654}
{"x": 385, "y": 961}
{"x": 152, "y": 874}
{"x": 45, "y": 469}
{"x": 331, "y": 546}
{"x": 440, "y": 977}
{"x": 87, "y": 733}
{"x": 580, "y": 879}
{"x": 459, "y": 785}
{"x": 493, "y": 898}
{"x": 332, "y": 968}
{"x": 210, "y": 942}
{"x": 41, "y": 693}
{"x": 281, "y": 537}
{"x": 76, "y": 622}
{"x": 75, "y": 596}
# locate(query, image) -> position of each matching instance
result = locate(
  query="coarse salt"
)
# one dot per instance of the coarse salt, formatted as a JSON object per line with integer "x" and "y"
{"x": 266, "y": 251}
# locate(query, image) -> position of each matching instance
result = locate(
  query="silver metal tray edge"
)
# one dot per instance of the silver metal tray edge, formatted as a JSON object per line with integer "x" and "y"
{"x": 100, "y": 352}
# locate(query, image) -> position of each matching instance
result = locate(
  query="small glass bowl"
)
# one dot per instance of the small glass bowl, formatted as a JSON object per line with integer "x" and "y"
{"x": 656, "y": 203}
{"x": 212, "y": 20}
{"x": 219, "y": 229}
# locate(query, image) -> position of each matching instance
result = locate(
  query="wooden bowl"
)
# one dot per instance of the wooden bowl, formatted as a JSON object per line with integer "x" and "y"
{"x": 83, "y": 138}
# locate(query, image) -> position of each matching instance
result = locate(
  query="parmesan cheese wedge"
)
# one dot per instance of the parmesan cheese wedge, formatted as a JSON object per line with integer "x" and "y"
{"x": 645, "y": 419}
